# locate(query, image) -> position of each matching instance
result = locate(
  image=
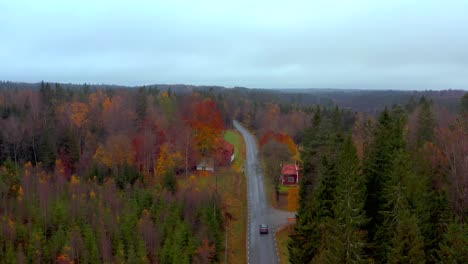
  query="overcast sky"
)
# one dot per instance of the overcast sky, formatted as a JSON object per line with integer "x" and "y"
{"x": 257, "y": 44}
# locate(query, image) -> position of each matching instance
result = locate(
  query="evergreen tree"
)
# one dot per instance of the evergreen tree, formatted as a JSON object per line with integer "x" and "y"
{"x": 132, "y": 255}
{"x": 464, "y": 105}
{"x": 59, "y": 93}
{"x": 347, "y": 237}
{"x": 47, "y": 152}
{"x": 379, "y": 165}
{"x": 119, "y": 248}
{"x": 179, "y": 247}
{"x": 407, "y": 244}
{"x": 169, "y": 181}
{"x": 317, "y": 189}
{"x": 10, "y": 254}
{"x": 439, "y": 213}
{"x": 454, "y": 248}
{"x": 37, "y": 251}
{"x": 426, "y": 122}
{"x": 70, "y": 144}
{"x": 141, "y": 251}
{"x": 47, "y": 95}
{"x": 91, "y": 246}
{"x": 411, "y": 105}
{"x": 304, "y": 239}
{"x": 326, "y": 189}
{"x": 428, "y": 203}
{"x": 57, "y": 241}
{"x": 141, "y": 105}
{"x": 463, "y": 118}
{"x": 395, "y": 208}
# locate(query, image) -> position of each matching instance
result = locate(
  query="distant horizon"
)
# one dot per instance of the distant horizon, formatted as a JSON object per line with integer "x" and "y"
{"x": 358, "y": 44}
{"x": 229, "y": 87}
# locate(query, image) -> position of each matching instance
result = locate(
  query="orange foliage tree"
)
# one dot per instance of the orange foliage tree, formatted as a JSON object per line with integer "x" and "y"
{"x": 79, "y": 113}
{"x": 293, "y": 197}
{"x": 206, "y": 252}
{"x": 282, "y": 138}
{"x": 207, "y": 125}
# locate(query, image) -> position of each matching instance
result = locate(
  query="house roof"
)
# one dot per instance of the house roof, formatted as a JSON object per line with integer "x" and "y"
{"x": 290, "y": 169}
{"x": 206, "y": 162}
{"x": 228, "y": 147}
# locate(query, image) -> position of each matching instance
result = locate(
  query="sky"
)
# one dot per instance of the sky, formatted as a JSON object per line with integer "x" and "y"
{"x": 414, "y": 45}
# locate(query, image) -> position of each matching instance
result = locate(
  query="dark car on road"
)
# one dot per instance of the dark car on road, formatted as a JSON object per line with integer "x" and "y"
{"x": 263, "y": 229}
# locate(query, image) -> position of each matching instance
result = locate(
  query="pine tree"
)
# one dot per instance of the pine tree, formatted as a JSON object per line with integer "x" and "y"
{"x": 427, "y": 203}
{"x": 119, "y": 249}
{"x": 37, "y": 249}
{"x": 47, "y": 152}
{"x": 379, "y": 165}
{"x": 169, "y": 181}
{"x": 342, "y": 239}
{"x": 436, "y": 229}
{"x": 464, "y": 105}
{"x": 454, "y": 248}
{"x": 348, "y": 236}
{"x": 304, "y": 239}
{"x": 141, "y": 105}
{"x": 394, "y": 203}
{"x": 10, "y": 254}
{"x": 463, "y": 116}
{"x": 132, "y": 255}
{"x": 317, "y": 190}
{"x": 91, "y": 246}
{"x": 407, "y": 244}
{"x": 57, "y": 241}
{"x": 426, "y": 122}
{"x": 141, "y": 251}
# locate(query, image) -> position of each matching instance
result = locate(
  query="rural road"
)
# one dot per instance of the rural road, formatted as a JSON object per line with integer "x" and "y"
{"x": 261, "y": 249}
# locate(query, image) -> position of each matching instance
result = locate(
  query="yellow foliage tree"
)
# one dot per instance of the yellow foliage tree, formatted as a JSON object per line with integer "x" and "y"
{"x": 167, "y": 160}
{"x": 116, "y": 151}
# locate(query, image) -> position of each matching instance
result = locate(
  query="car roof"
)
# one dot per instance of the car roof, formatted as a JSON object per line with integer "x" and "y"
{"x": 263, "y": 225}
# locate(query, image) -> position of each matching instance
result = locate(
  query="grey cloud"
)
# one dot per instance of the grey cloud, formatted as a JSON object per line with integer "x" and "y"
{"x": 350, "y": 44}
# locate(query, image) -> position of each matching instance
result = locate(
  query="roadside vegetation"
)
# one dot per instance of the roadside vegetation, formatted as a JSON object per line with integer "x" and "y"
{"x": 282, "y": 240}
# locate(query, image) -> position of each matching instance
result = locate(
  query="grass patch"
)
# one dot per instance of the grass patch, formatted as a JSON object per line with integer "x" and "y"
{"x": 235, "y": 139}
{"x": 284, "y": 189}
{"x": 282, "y": 238}
{"x": 237, "y": 238}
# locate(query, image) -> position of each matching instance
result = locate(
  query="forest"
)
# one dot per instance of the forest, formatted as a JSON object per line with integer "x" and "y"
{"x": 92, "y": 173}
{"x": 88, "y": 175}
{"x": 386, "y": 189}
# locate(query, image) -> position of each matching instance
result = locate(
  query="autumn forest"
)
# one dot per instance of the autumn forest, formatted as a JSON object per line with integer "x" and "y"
{"x": 108, "y": 174}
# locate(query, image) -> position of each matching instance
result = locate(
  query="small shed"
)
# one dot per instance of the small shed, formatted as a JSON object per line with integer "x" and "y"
{"x": 206, "y": 164}
{"x": 290, "y": 174}
{"x": 226, "y": 153}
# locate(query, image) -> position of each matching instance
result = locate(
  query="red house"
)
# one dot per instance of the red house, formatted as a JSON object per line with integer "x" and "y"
{"x": 223, "y": 156}
{"x": 226, "y": 153}
{"x": 290, "y": 174}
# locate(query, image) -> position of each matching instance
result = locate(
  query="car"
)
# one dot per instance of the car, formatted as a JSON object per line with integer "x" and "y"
{"x": 263, "y": 229}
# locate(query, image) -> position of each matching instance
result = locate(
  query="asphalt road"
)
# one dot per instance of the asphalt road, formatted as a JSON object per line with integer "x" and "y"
{"x": 261, "y": 249}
